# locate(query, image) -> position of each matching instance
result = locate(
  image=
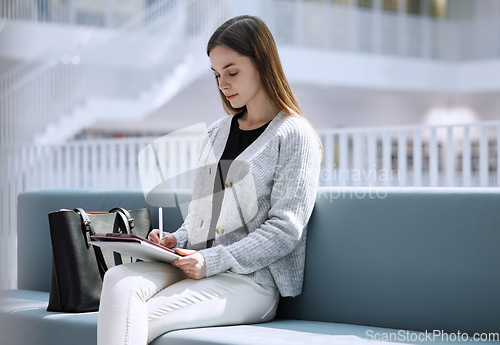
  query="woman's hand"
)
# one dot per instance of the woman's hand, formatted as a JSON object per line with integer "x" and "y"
{"x": 168, "y": 239}
{"x": 192, "y": 263}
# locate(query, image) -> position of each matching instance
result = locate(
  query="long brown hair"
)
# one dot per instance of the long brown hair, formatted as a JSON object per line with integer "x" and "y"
{"x": 250, "y": 36}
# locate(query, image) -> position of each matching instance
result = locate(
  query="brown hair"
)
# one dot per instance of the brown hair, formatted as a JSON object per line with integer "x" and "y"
{"x": 250, "y": 36}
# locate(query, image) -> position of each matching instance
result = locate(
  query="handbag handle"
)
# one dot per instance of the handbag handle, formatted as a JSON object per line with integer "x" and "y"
{"x": 128, "y": 223}
{"x": 86, "y": 225}
{"x": 127, "y": 219}
{"x": 87, "y": 228}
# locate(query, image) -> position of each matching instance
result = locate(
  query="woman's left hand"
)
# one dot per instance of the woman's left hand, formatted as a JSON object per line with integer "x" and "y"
{"x": 192, "y": 263}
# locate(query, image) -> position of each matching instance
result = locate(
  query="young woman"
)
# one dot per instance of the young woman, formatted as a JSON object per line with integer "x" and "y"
{"x": 243, "y": 239}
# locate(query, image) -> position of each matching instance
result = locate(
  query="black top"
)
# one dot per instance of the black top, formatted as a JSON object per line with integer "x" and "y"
{"x": 237, "y": 141}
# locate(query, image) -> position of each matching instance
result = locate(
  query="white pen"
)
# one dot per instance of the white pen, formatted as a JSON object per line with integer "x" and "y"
{"x": 160, "y": 220}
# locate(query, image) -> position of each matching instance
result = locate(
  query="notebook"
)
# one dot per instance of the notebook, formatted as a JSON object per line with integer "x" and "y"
{"x": 134, "y": 246}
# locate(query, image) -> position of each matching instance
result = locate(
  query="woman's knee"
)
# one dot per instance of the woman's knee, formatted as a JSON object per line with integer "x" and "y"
{"x": 115, "y": 274}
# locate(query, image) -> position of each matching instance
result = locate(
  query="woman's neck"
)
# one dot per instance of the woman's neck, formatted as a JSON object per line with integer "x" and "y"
{"x": 258, "y": 115}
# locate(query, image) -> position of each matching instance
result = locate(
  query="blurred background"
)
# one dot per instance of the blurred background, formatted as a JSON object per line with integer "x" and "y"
{"x": 401, "y": 92}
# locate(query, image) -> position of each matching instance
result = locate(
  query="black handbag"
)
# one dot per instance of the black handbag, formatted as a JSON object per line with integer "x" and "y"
{"x": 78, "y": 267}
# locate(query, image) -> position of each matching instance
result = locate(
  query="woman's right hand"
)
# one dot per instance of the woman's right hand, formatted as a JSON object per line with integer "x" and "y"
{"x": 168, "y": 239}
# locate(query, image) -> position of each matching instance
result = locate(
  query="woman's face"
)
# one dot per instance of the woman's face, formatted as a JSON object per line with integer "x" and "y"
{"x": 237, "y": 77}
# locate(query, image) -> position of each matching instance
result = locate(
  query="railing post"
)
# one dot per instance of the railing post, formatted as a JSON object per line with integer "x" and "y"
{"x": 357, "y": 161}
{"x": 131, "y": 163}
{"x": 183, "y": 161}
{"x": 85, "y": 164}
{"x": 77, "y": 166}
{"x": 43, "y": 163}
{"x": 483, "y": 156}
{"x": 466, "y": 158}
{"x": 402, "y": 158}
{"x": 173, "y": 158}
{"x": 111, "y": 165}
{"x": 372, "y": 159}
{"x": 343, "y": 168}
{"x": 387, "y": 158}
{"x": 433, "y": 158}
{"x": 498, "y": 155}
{"x": 329, "y": 157}
{"x": 417, "y": 157}
{"x": 122, "y": 147}
{"x": 450, "y": 157}
{"x": 94, "y": 166}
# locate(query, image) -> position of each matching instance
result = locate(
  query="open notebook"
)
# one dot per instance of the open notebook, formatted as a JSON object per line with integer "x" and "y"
{"x": 134, "y": 246}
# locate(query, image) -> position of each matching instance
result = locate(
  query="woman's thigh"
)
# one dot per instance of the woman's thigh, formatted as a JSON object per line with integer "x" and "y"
{"x": 223, "y": 299}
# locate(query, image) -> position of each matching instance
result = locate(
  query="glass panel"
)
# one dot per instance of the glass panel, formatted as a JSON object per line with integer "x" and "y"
{"x": 390, "y": 5}
{"x": 438, "y": 8}
{"x": 340, "y": 2}
{"x": 413, "y": 6}
{"x": 365, "y": 3}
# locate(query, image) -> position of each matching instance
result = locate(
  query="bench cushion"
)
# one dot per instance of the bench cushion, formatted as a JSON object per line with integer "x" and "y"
{"x": 300, "y": 332}
{"x": 23, "y": 320}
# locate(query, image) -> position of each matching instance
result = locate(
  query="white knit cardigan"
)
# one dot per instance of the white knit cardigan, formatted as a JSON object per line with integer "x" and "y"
{"x": 262, "y": 224}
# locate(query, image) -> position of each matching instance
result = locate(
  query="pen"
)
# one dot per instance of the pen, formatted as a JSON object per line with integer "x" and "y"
{"x": 160, "y": 220}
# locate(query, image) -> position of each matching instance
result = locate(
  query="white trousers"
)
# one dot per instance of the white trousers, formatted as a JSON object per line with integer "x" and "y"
{"x": 140, "y": 301}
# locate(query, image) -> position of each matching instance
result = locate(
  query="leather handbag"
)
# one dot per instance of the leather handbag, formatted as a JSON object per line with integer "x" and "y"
{"x": 78, "y": 267}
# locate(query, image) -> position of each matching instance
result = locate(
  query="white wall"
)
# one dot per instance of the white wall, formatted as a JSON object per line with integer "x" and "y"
{"x": 26, "y": 40}
{"x": 385, "y": 72}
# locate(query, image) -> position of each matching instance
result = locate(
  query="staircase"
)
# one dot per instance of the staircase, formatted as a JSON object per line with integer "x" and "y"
{"x": 124, "y": 77}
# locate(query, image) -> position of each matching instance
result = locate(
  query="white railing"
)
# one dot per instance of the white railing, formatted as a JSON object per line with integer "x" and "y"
{"x": 107, "y": 13}
{"x": 420, "y": 156}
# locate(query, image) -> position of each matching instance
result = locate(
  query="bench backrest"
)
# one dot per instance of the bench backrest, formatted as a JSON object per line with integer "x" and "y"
{"x": 406, "y": 258}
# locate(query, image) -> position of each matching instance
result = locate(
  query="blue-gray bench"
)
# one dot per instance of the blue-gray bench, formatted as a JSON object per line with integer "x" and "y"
{"x": 380, "y": 263}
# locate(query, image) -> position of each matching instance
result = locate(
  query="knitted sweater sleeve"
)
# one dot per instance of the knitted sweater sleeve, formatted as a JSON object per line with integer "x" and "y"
{"x": 292, "y": 199}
